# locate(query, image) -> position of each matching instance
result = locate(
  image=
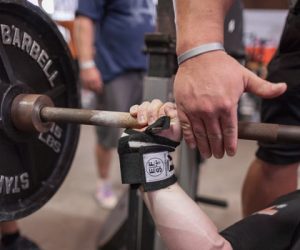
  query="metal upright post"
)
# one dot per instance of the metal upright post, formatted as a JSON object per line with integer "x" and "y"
{"x": 161, "y": 47}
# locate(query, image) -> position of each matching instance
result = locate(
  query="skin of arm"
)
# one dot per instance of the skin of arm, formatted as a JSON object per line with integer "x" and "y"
{"x": 84, "y": 39}
{"x": 179, "y": 220}
{"x": 207, "y": 87}
{"x": 181, "y": 223}
{"x": 191, "y": 18}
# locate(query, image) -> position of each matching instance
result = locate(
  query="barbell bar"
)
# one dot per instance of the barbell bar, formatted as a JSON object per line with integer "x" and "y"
{"x": 31, "y": 112}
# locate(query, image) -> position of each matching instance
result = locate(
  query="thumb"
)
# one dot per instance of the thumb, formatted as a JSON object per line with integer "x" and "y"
{"x": 263, "y": 88}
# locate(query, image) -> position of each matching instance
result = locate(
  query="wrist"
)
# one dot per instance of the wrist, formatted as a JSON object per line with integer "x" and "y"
{"x": 87, "y": 64}
{"x": 145, "y": 157}
{"x": 199, "y": 50}
{"x": 186, "y": 44}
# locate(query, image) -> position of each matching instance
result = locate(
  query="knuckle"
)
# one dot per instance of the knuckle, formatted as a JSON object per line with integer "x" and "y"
{"x": 168, "y": 106}
{"x": 207, "y": 108}
{"x": 226, "y": 106}
{"x": 156, "y": 101}
{"x": 199, "y": 134}
{"x": 143, "y": 107}
{"x": 229, "y": 131}
{"x": 189, "y": 107}
{"x": 133, "y": 109}
{"x": 214, "y": 136}
{"x": 208, "y": 112}
{"x": 145, "y": 103}
{"x": 187, "y": 133}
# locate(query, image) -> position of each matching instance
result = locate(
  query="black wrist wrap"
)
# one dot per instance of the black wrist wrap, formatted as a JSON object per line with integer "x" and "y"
{"x": 145, "y": 159}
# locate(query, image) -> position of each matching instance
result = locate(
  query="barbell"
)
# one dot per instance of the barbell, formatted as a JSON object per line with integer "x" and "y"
{"x": 36, "y": 113}
{"x": 40, "y": 115}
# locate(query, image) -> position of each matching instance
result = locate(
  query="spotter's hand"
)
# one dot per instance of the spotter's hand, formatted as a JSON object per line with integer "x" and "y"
{"x": 207, "y": 89}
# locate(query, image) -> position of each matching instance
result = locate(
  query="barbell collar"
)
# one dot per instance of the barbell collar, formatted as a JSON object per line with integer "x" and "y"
{"x": 25, "y": 112}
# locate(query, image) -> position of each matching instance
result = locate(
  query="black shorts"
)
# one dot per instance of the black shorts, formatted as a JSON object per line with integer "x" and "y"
{"x": 275, "y": 228}
{"x": 284, "y": 67}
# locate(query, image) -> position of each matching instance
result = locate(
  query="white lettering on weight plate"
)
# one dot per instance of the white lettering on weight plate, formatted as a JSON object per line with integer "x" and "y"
{"x": 14, "y": 36}
{"x": 14, "y": 184}
{"x": 53, "y": 138}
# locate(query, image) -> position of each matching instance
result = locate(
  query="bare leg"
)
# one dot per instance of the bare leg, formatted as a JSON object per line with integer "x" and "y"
{"x": 265, "y": 182}
{"x": 103, "y": 156}
{"x": 104, "y": 194}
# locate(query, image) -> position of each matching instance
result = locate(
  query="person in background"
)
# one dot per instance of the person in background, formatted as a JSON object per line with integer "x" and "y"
{"x": 208, "y": 86}
{"x": 109, "y": 36}
{"x": 274, "y": 171}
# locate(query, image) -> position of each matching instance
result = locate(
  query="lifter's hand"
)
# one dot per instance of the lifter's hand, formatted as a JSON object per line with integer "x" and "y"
{"x": 148, "y": 112}
{"x": 91, "y": 79}
{"x": 207, "y": 90}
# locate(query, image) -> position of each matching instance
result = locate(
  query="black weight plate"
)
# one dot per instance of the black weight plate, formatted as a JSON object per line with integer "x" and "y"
{"x": 35, "y": 56}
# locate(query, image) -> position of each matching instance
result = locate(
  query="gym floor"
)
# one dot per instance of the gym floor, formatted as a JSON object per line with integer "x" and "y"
{"x": 72, "y": 219}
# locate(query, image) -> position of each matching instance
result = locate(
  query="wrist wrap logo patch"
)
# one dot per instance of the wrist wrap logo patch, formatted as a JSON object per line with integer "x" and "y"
{"x": 158, "y": 166}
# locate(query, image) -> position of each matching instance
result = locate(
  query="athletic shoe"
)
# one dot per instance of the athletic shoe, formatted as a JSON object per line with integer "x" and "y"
{"x": 105, "y": 195}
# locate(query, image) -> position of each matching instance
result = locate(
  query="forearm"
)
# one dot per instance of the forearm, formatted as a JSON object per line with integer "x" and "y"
{"x": 84, "y": 38}
{"x": 199, "y": 22}
{"x": 181, "y": 222}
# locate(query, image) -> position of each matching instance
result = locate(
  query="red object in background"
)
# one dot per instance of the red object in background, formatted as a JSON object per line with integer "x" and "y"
{"x": 259, "y": 54}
